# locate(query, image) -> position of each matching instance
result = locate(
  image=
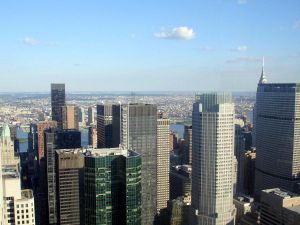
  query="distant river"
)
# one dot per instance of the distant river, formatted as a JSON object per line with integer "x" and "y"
{"x": 177, "y": 128}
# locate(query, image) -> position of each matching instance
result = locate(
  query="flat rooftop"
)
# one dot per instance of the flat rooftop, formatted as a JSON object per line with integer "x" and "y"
{"x": 99, "y": 152}
{"x": 281, "y": 193}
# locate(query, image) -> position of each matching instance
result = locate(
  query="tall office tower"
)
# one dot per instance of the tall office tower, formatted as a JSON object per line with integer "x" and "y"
{"x": 56, "y": 139}
{"x": 69, "y": 186}
{"x": 279, "y": 206}
{"x": 58, "y": 100}
{"x": 93, "y": 136}
{"x": 163, "y": 161}
{"x": 69, "y": 117}
{"x": 187, "y": 153}
{"x": 80, "y": 116}
{"x": 41, "y": 127}
{"x": 180, "y": 181}
{"x": 139, "y": 132}
{"x": 112, "y": 184}
{"x": 104, "y": 126}
{"x": 213, "y": 153}
{"x": 277, "y": 136}
{"x": 18, "y": 204}
{"x": 91, "y": 115}
{"x": 7, "y": 147}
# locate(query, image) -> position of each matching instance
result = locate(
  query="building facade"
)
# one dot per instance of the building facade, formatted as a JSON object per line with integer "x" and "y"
{"x": 104, "y": 126}
{"x": 69, "y": 117}
{"x": 8, "y": 157}
{"x": 112, "y": 184}
{"x": 277, "y": 126}
{"x": 56, "y": 139}
{"x": 187, "y": 153}
{"x": 41, "y": 127}
{"x": 213, "y": 153}
{"x": 18, "y": 204}
{"x": 69, "y": 186}
{"x": 139, "y": 132}
{"x": 58, "y": 100}
{"x": 163, "y": 161}
{"x": 279, "y": 207}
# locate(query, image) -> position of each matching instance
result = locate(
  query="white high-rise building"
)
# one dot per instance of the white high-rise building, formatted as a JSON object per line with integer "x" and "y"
{"x": 163, "y": 161}
{"x": 18, "y": 204}
{"x": 212, "y": 160}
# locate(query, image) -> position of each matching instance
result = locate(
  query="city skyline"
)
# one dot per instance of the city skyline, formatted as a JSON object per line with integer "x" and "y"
{"x": 153, "y": 46}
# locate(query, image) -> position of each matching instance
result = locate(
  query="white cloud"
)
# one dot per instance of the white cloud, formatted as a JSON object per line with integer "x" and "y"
{"x": 242, "y": 48}
{"x": 29, "y": 41}
{"x": 244, "y": 59}
{"x": 242, "y": 2}
{"x": 296, "y": 24}
{"x": 177, "y": 33}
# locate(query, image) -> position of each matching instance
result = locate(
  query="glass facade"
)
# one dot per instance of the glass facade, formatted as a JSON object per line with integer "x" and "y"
{"x": 113, "y": 189}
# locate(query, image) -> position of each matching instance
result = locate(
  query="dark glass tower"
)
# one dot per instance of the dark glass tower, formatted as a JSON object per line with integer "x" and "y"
{"x": 277, "y": 136}
{"x": 58, "y": 99}
{"x": 112, "y": 184}
{"x": 139, "y": 132}
{"x": 104, "y": 126}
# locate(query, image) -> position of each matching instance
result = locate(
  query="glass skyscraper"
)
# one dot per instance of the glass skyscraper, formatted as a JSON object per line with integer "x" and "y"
{"x": 112, "y": 184}
{"x": 277, "y": 127}
{"x": 139, "y": 132}
{"x": 58, "y": 99}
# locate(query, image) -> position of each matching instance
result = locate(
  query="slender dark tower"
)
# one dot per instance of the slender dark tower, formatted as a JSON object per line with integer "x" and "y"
{"x": 58, "y": 99}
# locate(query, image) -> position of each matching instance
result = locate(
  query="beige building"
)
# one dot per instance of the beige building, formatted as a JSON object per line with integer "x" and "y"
{"x": 18, "y": 204}
{"x": 8, "y": 157}
{"x": 279, "y": 207}
{"x": 69, "y": 117}
{"x": 243, "y": 205}
{"x": 163, "y": 161}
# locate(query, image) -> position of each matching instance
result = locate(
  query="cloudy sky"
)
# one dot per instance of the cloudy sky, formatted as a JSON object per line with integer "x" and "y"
{"x": 214, "y": 45}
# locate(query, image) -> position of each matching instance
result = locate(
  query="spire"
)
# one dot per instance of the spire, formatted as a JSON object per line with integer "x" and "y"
{"x": 263, "y": 78}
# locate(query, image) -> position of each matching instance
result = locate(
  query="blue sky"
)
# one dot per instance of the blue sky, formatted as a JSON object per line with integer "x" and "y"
{"x": 214, "y": 45}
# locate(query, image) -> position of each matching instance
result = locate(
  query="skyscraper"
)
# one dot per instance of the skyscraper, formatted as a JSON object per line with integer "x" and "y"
{"x": 56, "y": 139}
{"x": 7, "y": 147}
{"x": 69, "y": 117}
{"x": 69, "y": 185}
{"x": 104, "y": 126}
{"x": 112, "y": 184}
{"x": 212, "y": 166}
{"x": 91, "y": 115}
{"x": 41, "y": 126}
{"x": 139, "y": 132}
{"x": 277, "y": 126}
{"x": 163, "y": 161}
{"x": 1, "y": 189}
{"x": 58, "y": 99}
{"x": 187, "y": 153}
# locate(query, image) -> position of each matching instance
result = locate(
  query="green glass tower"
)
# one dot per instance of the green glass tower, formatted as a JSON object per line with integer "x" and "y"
{"x": 112, "y": 182}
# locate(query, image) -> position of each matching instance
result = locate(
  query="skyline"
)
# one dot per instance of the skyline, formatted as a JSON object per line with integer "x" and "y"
{"x": 150, "y": 46}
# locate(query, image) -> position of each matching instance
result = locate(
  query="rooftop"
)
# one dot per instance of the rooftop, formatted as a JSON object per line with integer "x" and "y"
{"x": 281, "y": 193}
